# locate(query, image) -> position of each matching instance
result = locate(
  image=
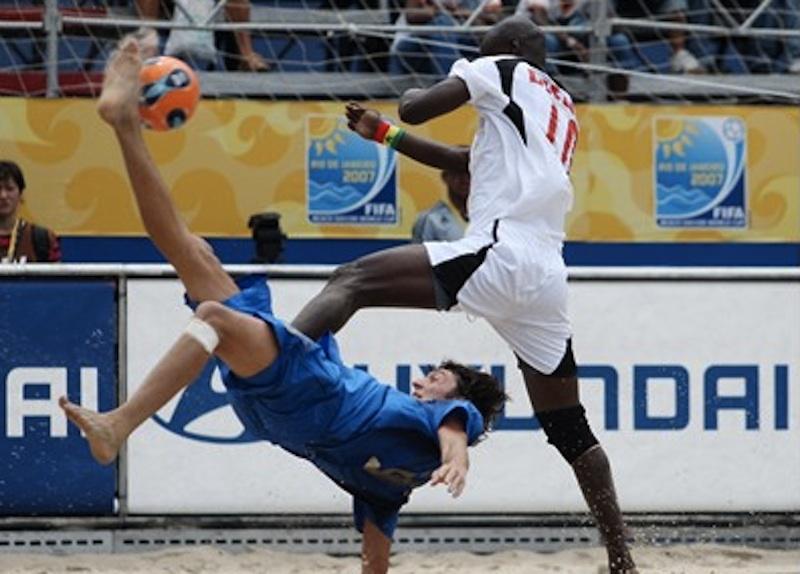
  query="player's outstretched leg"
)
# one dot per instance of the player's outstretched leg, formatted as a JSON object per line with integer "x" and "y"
{"x": 242, "y": 341}
{"x": 193, "y": 259}
{"x": 396, "y": 277}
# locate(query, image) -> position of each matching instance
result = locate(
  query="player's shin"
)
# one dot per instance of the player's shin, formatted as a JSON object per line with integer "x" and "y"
{"x": 568, "y": 430}
{"x": 179, "y": 367}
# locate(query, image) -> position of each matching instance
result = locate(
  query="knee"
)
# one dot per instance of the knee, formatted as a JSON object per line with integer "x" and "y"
{"x": 568, "y": 431}
{"x": 206, "y": 327}
{"x": 213, "y": 313}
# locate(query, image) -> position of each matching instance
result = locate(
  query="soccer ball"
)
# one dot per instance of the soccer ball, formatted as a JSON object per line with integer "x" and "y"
{"x": 170, "y": 91}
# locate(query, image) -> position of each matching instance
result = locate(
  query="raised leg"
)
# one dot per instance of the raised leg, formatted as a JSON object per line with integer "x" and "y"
{"x": 245, "y": 343}
{"x": 192, "y": 257}
{"x": 397, "y": 277}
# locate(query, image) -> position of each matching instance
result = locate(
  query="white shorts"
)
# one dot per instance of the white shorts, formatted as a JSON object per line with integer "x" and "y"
{"x": 515, "y": 281}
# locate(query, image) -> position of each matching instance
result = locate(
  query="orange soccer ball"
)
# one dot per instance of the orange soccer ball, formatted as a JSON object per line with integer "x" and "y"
{"x": 170, "y": 92}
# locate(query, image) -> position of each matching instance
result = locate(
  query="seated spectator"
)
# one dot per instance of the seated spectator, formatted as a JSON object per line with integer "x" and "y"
{"x": 246, "y": 59}
{"x": 768, "y": 54}
{"x": 445, "y": 221}
{"x": 574, "y": 46}
{"x": 194, "y": 46}
{"x": 21, "y": 241}
{"x": 436, "y": 52}
{"x": 682, "y": 60}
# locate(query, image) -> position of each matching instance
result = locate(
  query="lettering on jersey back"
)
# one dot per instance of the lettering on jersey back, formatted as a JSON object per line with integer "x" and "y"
{"x": 560, "y": 95}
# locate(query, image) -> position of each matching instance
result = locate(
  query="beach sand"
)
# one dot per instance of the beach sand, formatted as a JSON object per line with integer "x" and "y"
{"x": 699, "y": 559}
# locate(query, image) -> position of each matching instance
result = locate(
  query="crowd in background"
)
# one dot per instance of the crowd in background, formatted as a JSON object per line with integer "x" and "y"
{"x": 650, "y": 38}
{"x": 632, "y": 47}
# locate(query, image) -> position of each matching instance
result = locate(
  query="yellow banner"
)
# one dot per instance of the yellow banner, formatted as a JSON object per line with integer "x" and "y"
{"x": 641, "y": 173}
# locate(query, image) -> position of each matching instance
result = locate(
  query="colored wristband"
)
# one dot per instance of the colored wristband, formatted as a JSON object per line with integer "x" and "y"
{"x": 394, "y": 136}
{"x": 380, "y": 131}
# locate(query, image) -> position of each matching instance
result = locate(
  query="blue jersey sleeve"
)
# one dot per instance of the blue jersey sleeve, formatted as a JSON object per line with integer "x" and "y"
{"x": 384, "y": 517}
{"x": 472, "y": 420}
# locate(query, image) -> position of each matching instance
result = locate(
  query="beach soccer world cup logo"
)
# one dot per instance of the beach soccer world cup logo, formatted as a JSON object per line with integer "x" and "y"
{"x": 350, "y": 180}
{"x": 700, "y": 166}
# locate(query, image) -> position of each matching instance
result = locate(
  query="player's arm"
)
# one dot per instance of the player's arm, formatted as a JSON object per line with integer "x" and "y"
{"x": 366, "y": 123}
{"x": 375, "y": 547}
{"x": 418, "y": 105}
{"x": 455, "y": 460}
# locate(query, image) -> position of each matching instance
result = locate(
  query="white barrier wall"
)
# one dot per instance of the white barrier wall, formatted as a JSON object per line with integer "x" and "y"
{"x": 691, "y": 386}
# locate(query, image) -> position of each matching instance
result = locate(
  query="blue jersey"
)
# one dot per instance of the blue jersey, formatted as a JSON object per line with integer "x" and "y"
{"x": 374, "y": 441}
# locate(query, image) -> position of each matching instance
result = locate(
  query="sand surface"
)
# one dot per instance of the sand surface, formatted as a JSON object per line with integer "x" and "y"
{"x": 700, "y": 559}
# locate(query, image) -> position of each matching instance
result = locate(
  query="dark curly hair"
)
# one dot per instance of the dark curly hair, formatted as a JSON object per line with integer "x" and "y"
{"x": 481, "y": 389}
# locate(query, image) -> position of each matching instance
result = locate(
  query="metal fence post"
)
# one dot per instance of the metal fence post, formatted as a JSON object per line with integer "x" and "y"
{"x": 598, "y": 48}
{"x": 52, "y": 28}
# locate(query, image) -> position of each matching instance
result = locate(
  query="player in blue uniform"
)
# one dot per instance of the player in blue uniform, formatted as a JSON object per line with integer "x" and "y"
{"x": 372, "y": 440}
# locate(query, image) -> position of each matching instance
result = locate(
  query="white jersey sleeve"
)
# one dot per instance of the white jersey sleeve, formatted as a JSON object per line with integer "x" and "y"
{"x": 482, "y": 79}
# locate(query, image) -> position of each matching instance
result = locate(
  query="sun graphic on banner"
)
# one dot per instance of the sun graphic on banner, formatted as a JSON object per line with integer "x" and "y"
{"x": 674, "y": 136}
{"x": 326, "y": 134}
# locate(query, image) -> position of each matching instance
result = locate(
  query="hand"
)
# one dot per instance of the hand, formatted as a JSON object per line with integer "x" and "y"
{"x": 361, "y": 120}
{"x": 453, "y": 474}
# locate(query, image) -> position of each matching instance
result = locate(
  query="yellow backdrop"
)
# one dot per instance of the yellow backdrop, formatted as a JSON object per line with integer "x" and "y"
{"x": 235, "y": 158}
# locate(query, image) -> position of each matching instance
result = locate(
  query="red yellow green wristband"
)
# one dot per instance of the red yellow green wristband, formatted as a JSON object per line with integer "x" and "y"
{"x": 394, "y": 136}
{"x": 389, "y": 134}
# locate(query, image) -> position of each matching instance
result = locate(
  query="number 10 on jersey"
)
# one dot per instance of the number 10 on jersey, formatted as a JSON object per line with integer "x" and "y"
{"x": 570, "y": 137}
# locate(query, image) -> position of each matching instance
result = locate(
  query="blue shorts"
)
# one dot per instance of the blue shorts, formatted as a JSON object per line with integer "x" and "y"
{"x": 294, "y": 400}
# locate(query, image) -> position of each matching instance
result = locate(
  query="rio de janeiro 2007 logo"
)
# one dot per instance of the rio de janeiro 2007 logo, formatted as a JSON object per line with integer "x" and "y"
{"x": 700, "y": 172}
{"x": 350, "y": 180}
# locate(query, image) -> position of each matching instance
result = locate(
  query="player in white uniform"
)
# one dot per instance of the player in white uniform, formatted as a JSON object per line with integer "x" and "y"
{"x": 508, "y": 268}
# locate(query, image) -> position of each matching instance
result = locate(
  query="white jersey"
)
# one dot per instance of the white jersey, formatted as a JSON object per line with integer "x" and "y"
{"x": 521, "y": 154}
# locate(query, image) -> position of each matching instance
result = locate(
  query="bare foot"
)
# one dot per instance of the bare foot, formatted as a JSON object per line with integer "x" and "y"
{"x": 148, "y": 42}
{"x": 118, "y": 104}
{"x": 103, "y": 439}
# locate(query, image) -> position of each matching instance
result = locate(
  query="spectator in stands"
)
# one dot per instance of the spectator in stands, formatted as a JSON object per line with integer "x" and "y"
{"x": 235, "y": 11}
{"x": 574, "y": 46}
{"x": 767, "y": 54}
{"x": 682, "y": 60}
{"x": 436, "y": 52}
{"x": 194, "y": 46}
{"x": 21, "y": 241}
{"x": 445, "y": 221}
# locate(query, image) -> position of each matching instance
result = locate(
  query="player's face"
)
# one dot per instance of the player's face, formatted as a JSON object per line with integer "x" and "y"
{"x": 9, "y": 197}
{"x": 437, "y": 385}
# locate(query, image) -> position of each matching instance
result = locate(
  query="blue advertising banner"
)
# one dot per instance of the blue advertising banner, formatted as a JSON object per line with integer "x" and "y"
{"x": 58, "y": 338}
